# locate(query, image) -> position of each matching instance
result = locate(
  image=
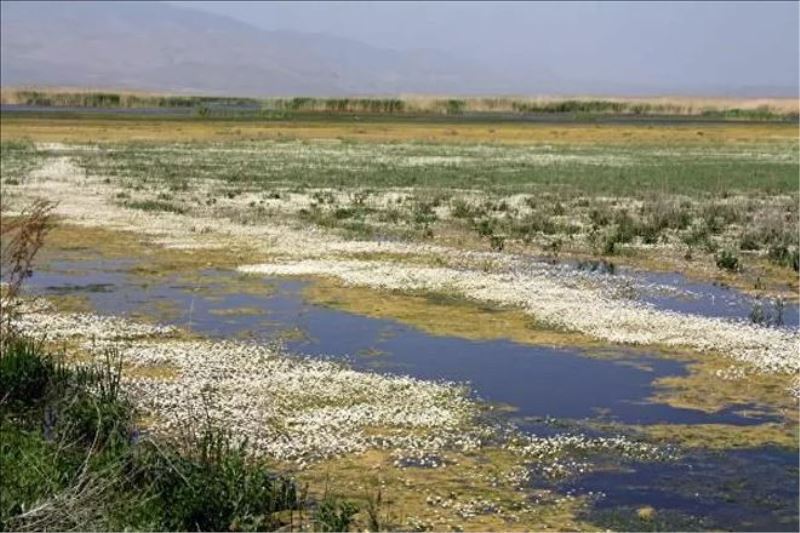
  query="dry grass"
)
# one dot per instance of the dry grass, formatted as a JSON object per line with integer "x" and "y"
{"x": 685, "y": 105}
{"x": 22, "y": 237}
{"x": 106, "y": 130}
{"x": 16, "y": 95}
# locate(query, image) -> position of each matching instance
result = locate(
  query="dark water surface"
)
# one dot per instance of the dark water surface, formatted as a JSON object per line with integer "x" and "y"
{"x": 742, "y": 490}
{"x": 749, "y": 489}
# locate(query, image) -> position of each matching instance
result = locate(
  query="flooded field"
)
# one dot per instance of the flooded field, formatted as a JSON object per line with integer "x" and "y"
{"x": 492, "y": 349}
{"x": 539, "y": 390}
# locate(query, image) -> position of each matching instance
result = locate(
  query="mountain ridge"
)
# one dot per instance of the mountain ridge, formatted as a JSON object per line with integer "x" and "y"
{"x": 165, "y": 47}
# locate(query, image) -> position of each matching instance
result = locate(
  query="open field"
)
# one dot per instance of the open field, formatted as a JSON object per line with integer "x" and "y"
{"x": 458, "y": 326}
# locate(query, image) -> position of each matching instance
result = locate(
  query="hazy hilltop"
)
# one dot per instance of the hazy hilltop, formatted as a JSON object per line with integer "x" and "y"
{"x": 160, "y": 46}
{"x": 279, "y": 48}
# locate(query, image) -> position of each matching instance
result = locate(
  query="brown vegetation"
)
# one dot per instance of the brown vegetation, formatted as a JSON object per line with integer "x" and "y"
{"x": 20, "y": 240}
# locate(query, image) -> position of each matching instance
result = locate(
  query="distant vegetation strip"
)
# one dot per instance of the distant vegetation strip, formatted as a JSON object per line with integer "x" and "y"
{"x": 738, "y": 109}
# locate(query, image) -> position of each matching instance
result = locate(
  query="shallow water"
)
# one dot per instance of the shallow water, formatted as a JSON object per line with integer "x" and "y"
{"x": 675, "y": 292}
{"x": 531, "y": 382}
{"x": 708, "y": 299}
{"x": 741, "y": 490}
{"x": 537, "y": 381}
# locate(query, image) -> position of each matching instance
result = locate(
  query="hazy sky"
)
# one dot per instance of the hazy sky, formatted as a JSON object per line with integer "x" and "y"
{"x": 706, "y": 46}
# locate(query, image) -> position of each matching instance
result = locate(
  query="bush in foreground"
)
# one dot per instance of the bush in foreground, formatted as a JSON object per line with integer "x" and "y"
{"x": 72, "y": 458}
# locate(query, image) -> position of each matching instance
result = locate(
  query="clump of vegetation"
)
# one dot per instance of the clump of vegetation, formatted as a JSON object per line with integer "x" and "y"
{"x": 497, "y": 242}
{"x": 208, "y": 106}
{"x": 20, "y": 240}
{"x": 780, "y": 254}
{"x": 73, "y": 457}
{"x": 334, "y": 515}
{"x": 727, "y": 260}
{"x": 768, "y": 313}
{"x": 155, "y": 205}
{"x": 455, "y": 107}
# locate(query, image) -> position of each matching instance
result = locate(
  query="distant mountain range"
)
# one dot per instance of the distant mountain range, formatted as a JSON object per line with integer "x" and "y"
{"x": 157, "y": 46}
{"x": 161, "y": 47}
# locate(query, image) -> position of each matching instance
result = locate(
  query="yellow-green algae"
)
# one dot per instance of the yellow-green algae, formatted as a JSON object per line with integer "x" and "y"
{"x": 704, "y": 389}
{"x": 724, "y": 436}
{"x": 477, "y": 476}
{"x": 442, "y": 315}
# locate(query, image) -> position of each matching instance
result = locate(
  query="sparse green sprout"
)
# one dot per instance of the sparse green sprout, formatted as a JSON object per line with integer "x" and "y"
{"x": 334, "y": 514}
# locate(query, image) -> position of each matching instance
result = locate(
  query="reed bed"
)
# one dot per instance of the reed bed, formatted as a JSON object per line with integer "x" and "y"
{"x": 724, "y": 108}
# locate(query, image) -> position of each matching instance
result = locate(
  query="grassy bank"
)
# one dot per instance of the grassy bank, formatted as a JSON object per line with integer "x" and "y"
{"x": 74, "y": 455}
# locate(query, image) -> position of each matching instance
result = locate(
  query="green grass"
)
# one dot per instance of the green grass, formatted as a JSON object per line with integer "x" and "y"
{"x": 697, "y": 198}
{"x": 17, "y": 159}
{"x": 628, "y": 170}
{"x": 732, "y": 195}
{"x": 72, "y": 457}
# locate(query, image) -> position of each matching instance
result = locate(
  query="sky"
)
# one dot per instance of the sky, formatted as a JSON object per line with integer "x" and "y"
{"x": 701, "y": 46}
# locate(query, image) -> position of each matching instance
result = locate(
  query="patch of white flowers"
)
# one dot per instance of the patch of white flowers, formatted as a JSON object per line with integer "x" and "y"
{"x": 37, "y": 319}
{"x": 287, "y": 407}
{"x": 565, "y": 305}
{"x": 732, "y": 373}
{"x": 294, "y": 408}
{"x": 299, "y": 409}
{"x": 561, "y": 455}
{"x": 468, "y": 508}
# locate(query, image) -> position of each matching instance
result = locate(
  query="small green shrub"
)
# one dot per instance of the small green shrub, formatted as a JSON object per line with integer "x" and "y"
{"x": 600, "y": 217}
{"x": 626, "y": 228}
{"x": 455, "y": 107}
{"x": 334, "y": 514}
{"x": 24, "y": 375}
{"x": 749, "y": 242}
{"x": 67, "y": 448}
{"x": 497, "y": 242}
{"x": 214, "y": 485}
{"x": 767, "y": 313}
{"x": 484, "y": 227}
{"x": 460, "y": 208}
{"x": 610, "y": 244}
{"x": 727, "y": 260}
{"x": 424, "y": 213}
{"x": 782, "y": 255}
